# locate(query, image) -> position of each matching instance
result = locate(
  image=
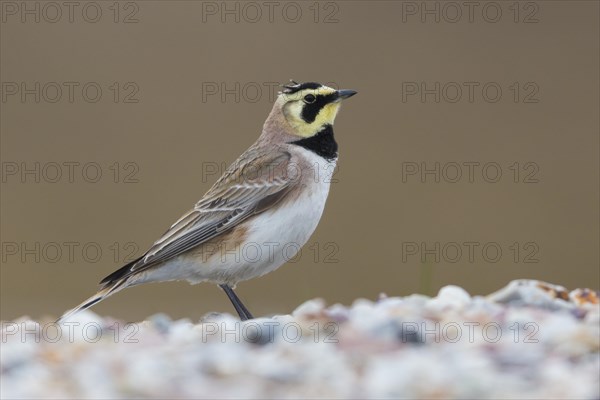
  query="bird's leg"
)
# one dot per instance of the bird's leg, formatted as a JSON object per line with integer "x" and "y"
{"x": 237, "y": 303}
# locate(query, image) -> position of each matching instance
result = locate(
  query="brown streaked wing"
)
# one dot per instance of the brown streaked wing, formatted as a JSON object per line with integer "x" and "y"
{"x": 248, "y": 187}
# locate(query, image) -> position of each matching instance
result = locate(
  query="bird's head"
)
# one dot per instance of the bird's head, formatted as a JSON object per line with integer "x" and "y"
{"x": 309, "y": 107}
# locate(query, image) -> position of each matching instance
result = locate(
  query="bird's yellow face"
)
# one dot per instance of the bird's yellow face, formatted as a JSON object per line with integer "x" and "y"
{"x": 309, "y": 107}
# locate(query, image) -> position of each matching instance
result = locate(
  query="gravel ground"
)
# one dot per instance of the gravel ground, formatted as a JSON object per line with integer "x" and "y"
{"x": 529, "y": 340}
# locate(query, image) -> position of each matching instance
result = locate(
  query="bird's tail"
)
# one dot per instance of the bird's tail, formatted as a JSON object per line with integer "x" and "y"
{"x": 106, "y": 291}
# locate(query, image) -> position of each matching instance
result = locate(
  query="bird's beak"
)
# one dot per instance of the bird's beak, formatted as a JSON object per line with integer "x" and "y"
{"x": 345, "y": 93}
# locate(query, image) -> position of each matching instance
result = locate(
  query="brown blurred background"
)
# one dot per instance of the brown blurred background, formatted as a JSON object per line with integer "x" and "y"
{"x": 185, "y": 88}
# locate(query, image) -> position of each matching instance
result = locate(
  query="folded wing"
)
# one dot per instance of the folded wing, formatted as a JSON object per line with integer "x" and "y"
{"x": 257, "y": 181}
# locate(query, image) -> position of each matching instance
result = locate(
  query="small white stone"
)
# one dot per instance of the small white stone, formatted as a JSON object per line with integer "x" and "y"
{"x": 450, "y": 296}
{"x": 309, "y": 307}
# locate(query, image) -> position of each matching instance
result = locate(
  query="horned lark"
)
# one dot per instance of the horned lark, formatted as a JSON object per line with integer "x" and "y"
{"x": 259, "y": 213}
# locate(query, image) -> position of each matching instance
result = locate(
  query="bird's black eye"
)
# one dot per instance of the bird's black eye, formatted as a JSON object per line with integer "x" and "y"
{"x": 309, "y": 99}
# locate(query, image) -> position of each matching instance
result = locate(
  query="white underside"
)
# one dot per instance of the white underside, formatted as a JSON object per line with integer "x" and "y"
{"x": 274, "y": 237}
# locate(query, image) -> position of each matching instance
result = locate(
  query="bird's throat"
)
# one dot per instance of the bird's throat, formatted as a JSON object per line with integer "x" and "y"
{"x": 323, "y": 143}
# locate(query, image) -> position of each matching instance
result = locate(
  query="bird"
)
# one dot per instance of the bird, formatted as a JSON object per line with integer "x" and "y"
{"x": 259, "y": 213}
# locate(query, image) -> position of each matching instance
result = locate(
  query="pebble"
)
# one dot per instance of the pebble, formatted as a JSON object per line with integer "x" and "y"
{"x": 531, "y": 339}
